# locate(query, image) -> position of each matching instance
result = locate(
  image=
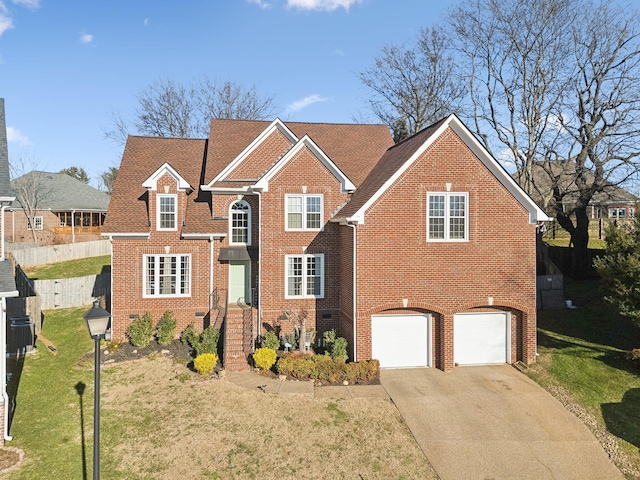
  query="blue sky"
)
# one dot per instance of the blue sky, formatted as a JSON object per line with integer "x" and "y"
{"x": 65, "y": 66}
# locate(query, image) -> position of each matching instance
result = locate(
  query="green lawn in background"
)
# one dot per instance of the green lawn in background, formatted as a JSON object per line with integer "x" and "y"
{"x": 48, "y": 407}
{"x": 69, "y": 269}
{"x": 584, "y": 351}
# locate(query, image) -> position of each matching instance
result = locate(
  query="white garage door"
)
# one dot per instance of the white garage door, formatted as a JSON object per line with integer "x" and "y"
{"x": 399, "y": 341}
{"x": 481, "y": 338}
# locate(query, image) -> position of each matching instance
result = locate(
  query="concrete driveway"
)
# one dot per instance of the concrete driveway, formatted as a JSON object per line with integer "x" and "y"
{"x": 493, "y": 422}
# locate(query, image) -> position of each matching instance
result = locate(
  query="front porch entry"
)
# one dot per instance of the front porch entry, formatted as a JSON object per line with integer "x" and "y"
{"x": 240, "y": 281}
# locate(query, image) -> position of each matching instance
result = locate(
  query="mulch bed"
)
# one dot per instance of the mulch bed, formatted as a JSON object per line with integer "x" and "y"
{"x": 123, "y": 352}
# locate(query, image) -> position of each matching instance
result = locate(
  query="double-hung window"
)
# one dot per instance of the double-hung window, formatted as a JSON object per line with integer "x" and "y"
{"x": 304, "y": 276}
{"x": 240, "y": 218}
{"x": 35, "y": 223}
{"x": 303, "y": 212}
{"x": 167, "y": 212}
{"x": 167, "y": 275}
{"x": 447, "y": 216}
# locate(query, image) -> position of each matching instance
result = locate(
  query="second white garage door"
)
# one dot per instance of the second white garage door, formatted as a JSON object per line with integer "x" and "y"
{"x": 481, "y": 338}
{"x": 401, "y": 341}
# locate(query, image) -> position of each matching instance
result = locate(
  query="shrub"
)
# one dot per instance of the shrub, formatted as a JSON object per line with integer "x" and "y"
{"x": 270, "y": 340}
{"x": 166, "y": 328}
{"x": 140, "y": 331}
{"x": 325, "y": 368}
{"x": 190, "y": 335}
{"x": 208, "y": 341}
{"x": 205, "y": 342}
{"x": 634, "y": 356}
{"x": 264, "y": 358}
{"x": 335, "y": 347}
{"x": 205, "y": 363}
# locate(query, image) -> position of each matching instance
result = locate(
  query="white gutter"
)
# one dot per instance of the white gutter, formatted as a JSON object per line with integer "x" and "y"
{"x": 355, "y": 277}
{"x": 2, "y": 255}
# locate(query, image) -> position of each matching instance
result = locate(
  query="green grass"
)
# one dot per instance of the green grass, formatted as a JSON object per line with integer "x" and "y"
{"x": 48, "y": 406}
{"x": 584, "y": 350}
{"x": 72, "y": 268}
{"x": 564, "y": 242}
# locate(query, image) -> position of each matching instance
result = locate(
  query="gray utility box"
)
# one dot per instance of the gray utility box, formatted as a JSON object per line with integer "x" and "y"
{"x": 21, "y": 338}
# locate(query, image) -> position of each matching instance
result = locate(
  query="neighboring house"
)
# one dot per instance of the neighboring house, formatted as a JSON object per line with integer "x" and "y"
{"x": 7, "y": 278}
{"x": 55, "y": 208}
{"x": 419, "y": 254}
{"x": 612, "y": 202}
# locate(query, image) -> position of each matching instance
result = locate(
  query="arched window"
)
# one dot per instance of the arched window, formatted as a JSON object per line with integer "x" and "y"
{"x": 240, "y": 222}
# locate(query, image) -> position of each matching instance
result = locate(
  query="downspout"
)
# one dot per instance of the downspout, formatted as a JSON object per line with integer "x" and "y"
{"x": 259, "y": 262}
{"x": 211, "y": 252}
{"x": 3, "y": 370}
{"x": 355, "y": 277}
{"x": 2, "y": 255}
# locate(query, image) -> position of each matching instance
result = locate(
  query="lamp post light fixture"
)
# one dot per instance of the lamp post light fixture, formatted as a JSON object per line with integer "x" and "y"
{"x": 97, "y": 319}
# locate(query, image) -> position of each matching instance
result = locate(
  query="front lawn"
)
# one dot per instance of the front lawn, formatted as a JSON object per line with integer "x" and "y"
{"x": 160, "y": 420}
{"x": 582, "y": 361}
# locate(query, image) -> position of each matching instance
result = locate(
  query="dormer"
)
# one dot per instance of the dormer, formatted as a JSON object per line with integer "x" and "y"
{"x": 167, "y": 198}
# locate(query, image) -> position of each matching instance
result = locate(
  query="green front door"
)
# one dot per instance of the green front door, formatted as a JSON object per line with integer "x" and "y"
{"x": 240, "y": 281}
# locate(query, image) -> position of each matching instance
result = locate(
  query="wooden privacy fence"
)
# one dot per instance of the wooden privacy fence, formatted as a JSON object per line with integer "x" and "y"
{"x": 59, "y": 253}
{"x": 73, "y": 292}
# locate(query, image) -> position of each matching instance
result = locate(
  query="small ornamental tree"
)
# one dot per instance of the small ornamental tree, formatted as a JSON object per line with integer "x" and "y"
{"x": 619, "y": 269}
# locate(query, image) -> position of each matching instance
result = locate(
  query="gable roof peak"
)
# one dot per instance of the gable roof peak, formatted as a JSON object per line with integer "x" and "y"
{"x": 152, "y": 181}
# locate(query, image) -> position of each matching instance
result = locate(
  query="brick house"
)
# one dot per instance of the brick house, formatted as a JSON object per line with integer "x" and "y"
{"x": 54, "y": 208}
{"x": 420, "y": 254}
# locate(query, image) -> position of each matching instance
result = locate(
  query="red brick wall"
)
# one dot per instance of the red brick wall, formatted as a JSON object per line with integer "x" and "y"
{"x": 127, "y": 272}
{"x": 395, "y": 261}
{"x": 302, "y": 170}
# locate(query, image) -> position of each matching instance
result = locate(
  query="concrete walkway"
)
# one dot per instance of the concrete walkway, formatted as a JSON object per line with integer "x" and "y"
{"x": 493, "y": 422}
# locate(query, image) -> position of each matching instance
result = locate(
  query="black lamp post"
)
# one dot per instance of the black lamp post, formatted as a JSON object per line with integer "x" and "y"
{"x": 97, "y": 319}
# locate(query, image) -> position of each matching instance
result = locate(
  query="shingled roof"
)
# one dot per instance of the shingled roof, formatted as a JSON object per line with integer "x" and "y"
{"x": 354, "y": 149}
{"x": 61, "y": 192}
{"x": 5, "y": 185}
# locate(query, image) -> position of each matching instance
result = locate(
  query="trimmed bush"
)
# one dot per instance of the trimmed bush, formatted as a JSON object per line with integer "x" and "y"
{"x": 335, "y": 347}
{"x": 205, "y": 363}
{"x": 324, "y": 368}
{"x": 264, "y": 358}
{"x": 208, "y": 341}
{"x": 189, "y": 335}
{"x": 140, "y": 331}
{"x": 166, "y": 328}
{"x": 270, "y": 340}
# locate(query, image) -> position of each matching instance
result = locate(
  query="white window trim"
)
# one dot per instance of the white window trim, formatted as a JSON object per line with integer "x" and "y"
{"x": 304, "y": 275}
{"x": 159, "y": 196}
{"x": 446, "y": 217}
{"x": 304, "y": 197}
{"x": 231, "y": 210}
{"x": 35, "y": 223}
{"x": 157, "y": 273}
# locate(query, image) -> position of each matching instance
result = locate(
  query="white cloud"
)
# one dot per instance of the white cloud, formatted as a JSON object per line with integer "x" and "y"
{"x": 14, "y": 135}
{"x": 85, "y": 38}
{"x": 145, "y": 22}
{"x": 305, "y": 102}
{"x": 321, "y": 5}
{"x": 260, "y": 3}
{"x": 30, "y": 4}
{"x": 6, "y": 22}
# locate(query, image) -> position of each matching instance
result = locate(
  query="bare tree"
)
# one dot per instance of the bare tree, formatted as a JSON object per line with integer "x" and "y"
{"x": 413, "y": 86}
{"x": 29, "y": 185}
{"x": 169, "y": 109}
{"x": 554, "y": 90}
